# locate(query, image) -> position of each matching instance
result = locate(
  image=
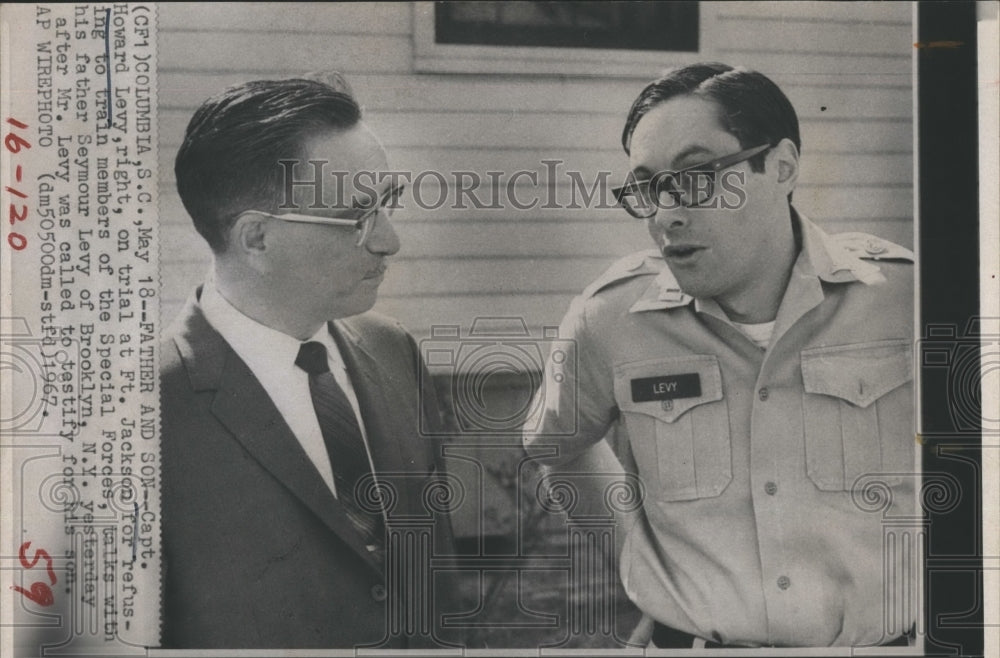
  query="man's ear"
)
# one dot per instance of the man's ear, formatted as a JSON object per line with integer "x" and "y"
{"x": 249, "y": 234}
{"x": 784, "y": 159}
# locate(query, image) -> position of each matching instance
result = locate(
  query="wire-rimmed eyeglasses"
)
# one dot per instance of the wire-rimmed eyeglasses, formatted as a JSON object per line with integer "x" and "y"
{"x": 363, "y": 223}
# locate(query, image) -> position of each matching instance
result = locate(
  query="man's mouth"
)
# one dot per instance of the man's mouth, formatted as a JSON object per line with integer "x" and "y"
{"x": 377, "y": 271}
{"x": 680, "y": 252}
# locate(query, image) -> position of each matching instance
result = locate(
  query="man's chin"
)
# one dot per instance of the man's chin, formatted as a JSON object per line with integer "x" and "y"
{"x": 357, "y": 305}
{"x": 693, "y": 285}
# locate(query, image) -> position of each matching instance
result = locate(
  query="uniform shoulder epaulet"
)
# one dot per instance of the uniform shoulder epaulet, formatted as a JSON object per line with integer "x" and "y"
{"x": 871, "y": 247}
{"x": 640, "y": 263}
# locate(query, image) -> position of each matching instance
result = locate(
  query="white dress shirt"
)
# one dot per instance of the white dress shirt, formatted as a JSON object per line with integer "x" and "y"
{"x": 270, "y": 355}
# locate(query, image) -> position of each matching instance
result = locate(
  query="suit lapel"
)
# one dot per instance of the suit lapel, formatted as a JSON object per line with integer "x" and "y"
{"x": 386, "y": 410}
{"x": 245, "y": 409}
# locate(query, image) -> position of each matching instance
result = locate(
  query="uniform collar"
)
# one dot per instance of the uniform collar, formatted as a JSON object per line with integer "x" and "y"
{"x": 662, "y": 293}
{"x": 828, "y": 259}
{"x": 820, "y": 257}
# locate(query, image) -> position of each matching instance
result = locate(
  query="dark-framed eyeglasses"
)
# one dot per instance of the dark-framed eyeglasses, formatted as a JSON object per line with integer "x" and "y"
{"x": 363, "y": 223}
{"x": 690, "y": 187}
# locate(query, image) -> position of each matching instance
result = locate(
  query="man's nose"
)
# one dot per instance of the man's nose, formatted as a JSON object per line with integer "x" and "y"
{"x": 671, "y": 217}
{"x": 383, "y": 239}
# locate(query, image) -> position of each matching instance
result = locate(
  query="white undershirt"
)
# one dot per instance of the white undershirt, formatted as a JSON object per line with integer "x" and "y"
{"x": 759, "y": 333}
{"x": 270, "y": 355}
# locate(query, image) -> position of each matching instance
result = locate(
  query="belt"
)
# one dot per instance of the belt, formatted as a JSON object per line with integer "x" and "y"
{"x": 665, "y": 637}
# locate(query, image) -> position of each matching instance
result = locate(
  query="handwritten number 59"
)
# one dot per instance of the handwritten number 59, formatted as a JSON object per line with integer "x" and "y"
{"x": 39, "y": 592}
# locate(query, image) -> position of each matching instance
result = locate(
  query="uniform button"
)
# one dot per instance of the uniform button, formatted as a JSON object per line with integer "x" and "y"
{"x": 875, "y": 248}
{"x": 784, "y": 582}
{"x": 378, "y": 592}
{"x": 667, "y": 405}
{"x": 763, "y": 394}
{"x": 770, "y": 488}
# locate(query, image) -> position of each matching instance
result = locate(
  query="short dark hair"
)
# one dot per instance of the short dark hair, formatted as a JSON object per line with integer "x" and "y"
{"x": 752, "y": 108}
{"x": 228, "y": 162}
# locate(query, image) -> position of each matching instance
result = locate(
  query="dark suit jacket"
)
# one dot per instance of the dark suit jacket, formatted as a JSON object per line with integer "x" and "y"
{"x": 257, "y": 550}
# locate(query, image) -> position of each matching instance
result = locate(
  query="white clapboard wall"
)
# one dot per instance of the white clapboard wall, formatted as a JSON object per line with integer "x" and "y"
{"x": 845, "y": 66}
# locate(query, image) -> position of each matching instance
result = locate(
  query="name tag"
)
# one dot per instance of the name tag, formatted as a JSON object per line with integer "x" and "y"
{"x": 666, "y": 387}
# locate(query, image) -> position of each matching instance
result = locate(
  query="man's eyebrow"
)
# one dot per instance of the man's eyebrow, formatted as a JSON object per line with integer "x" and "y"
{"x": 366, "y": 202}
{"x": 695, "y": 149}
{"x": 642, "y": 172}
{"x": 363, "y": 201}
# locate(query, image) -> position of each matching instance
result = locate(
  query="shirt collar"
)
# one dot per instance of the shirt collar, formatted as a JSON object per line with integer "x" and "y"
{"x": 819, "y": 257}
{"x": 829, "y": 260}
{"x": 322, "y": 335}
{"x": 262, "y": 348}
{"x": 663, "y": 292}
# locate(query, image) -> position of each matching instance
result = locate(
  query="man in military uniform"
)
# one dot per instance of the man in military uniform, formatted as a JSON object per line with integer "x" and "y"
{"x": 762, "y": 371}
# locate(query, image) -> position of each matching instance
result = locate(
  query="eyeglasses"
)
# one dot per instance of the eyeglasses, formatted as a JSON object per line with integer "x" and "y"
{"x": 363, "y": 223}
{"x": 690, "y": 187}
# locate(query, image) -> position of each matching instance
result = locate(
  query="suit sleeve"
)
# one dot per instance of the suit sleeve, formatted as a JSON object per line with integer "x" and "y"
{"x": 432, "y": 411}
{"x": 433, "y": 431}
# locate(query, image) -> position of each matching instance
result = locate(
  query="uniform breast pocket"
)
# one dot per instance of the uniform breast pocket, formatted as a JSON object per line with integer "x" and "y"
{"x": 858, "y": 412}
{"x": 678, "y": 425}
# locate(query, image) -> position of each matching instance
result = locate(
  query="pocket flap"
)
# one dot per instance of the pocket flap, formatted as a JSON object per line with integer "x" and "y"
{"x": 666, "y": 388}
{"x": 859, "y": 373}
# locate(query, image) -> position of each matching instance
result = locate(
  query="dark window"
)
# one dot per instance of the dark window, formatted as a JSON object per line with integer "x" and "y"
{"x": 626, "y": 25}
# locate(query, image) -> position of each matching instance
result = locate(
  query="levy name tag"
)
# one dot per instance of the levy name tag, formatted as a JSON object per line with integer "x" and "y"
{"x": 666, "y": 387}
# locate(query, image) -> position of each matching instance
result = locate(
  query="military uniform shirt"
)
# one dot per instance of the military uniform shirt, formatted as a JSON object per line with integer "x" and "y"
{"x": 780, "y": 483}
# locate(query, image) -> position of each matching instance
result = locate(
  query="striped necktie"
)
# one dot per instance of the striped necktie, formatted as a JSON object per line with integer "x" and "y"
{"x": 344, "y": 442}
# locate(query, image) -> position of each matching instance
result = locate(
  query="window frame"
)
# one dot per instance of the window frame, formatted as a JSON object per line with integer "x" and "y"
{"x": 432, "y": 57}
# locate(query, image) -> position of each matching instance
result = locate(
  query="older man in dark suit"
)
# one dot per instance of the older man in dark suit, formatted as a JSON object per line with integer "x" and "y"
{"x": 290, "y": 414}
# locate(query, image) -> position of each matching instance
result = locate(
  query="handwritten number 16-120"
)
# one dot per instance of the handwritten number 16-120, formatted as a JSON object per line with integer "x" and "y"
{"x": 39, "y": 592}
{"x": 14, "y": 143}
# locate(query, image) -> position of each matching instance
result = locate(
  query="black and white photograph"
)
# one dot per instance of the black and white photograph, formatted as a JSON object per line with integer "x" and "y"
{"x": 484, "y": 327}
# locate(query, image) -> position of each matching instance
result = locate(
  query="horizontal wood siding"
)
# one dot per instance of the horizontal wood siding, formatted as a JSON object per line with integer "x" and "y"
{"x": 845, "y": 66}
